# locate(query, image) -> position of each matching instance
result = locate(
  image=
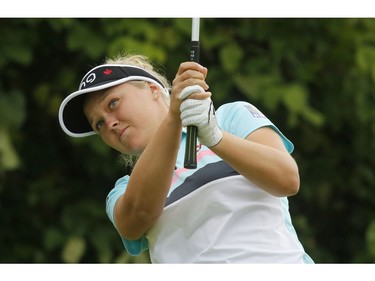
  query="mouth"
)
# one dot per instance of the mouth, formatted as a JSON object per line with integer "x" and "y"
{"x": 122, "y": 132}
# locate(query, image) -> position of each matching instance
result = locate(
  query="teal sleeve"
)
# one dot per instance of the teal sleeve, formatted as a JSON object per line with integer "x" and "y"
{"x": 241, "y": 118}
{"x": 133, "y": 247}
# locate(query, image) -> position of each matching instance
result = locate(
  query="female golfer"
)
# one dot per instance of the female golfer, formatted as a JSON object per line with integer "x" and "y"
{"x": 232, "y": 208}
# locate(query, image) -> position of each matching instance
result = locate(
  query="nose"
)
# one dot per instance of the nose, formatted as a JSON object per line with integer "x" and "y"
{"x": 112, "y": 123}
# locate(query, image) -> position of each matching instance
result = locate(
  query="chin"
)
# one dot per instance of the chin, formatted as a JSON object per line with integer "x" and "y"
{"x": 130, "y": 147}
{"x": 133, "y": 151}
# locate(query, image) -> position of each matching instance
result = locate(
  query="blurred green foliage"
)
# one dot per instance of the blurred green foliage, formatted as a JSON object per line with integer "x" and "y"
{"x": 314, "y": 78}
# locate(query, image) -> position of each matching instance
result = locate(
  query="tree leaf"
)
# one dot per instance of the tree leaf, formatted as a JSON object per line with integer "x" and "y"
{"x": 74, "y": 249}
{"x": 8, "y": 156}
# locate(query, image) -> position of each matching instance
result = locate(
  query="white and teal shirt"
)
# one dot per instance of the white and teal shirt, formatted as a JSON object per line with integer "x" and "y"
{"x": 213, "y": 214}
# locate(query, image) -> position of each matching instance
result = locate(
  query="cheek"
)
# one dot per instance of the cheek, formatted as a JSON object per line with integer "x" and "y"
{"x": 133, "y": 144}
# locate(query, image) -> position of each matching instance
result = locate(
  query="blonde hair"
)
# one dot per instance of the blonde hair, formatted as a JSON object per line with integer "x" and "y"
{"x": 141, "y": 61}
{"x": 146, "y": 64}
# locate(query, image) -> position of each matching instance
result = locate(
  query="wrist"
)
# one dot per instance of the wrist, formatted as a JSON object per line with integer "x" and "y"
{"x": 210, "y": 136}
{"x": 173, "y": 120}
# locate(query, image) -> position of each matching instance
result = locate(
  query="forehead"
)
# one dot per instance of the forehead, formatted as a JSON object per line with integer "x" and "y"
{"x": 98, "y": 96}
{"x": 95, "y": 98}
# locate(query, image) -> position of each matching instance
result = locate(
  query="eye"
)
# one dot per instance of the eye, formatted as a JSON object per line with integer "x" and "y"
{"x": 99, "y": 125}
{"x": 112, "y": 103}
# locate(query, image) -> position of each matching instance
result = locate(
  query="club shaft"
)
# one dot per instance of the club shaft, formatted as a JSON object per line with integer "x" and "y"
{"x": 195, "y": 30}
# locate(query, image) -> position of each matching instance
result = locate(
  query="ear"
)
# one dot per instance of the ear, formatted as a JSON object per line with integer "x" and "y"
{"x": 153, "y": 87}
{"x": 154, "y": 91}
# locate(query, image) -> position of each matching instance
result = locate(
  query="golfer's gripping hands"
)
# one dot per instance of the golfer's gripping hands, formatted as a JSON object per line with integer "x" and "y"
{"x": 200, "y": 113}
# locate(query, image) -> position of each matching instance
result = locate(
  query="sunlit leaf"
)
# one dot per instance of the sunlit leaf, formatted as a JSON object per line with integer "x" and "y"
{"x": 74, "y": 249}
{"x": 12, "y": 109}
{"x": 8, "y": 156}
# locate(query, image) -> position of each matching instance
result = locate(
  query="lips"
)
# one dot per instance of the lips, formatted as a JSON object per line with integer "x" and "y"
{"x": 122, "y": 132}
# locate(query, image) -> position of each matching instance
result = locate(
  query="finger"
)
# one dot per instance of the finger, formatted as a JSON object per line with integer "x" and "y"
{"x": 187, "y": 91}
{"x": 189, "y": 77}
{"x": 193, "y": 112}
{"x": 189, "y": 104}
{"x": 190, "y": 65}
{"x": 194, "y": 107}
{"x": 200, "y": 95}
{"x": 179, "y": 84}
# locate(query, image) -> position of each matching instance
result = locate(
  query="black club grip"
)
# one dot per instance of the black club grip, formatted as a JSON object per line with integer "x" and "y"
{"x": 192, "y": 131}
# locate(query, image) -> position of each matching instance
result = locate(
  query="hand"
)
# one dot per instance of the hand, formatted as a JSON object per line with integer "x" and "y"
{"x": 201, "y": 113}
{"x": 189, "y": 73}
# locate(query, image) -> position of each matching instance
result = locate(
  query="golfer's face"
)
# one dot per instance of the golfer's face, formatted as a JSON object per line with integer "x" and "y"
{"x": 126, "y": 116}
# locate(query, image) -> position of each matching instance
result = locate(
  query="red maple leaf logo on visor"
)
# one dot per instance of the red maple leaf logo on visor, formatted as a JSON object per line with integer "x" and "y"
{"x": 107, "y": 71}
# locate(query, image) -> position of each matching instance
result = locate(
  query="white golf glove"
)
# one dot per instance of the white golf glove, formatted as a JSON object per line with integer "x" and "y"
{"x": 200, "y": 113}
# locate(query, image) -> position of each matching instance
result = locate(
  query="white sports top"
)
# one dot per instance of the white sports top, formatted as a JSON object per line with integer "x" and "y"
{"x": 215, "y": 215}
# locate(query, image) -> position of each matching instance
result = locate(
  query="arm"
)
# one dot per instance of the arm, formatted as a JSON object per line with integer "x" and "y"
{"x": 263, "y": 159}
{"x": 143, "y": 201}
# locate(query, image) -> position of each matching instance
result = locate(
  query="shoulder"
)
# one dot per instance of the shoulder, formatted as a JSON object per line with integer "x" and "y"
{"x": 240, "y": 112}
{"x": 114, "y": 195}
{"x": 242, "y": 118}
{"x": 239, "y": 106}
{"x": 119, "y": 187}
